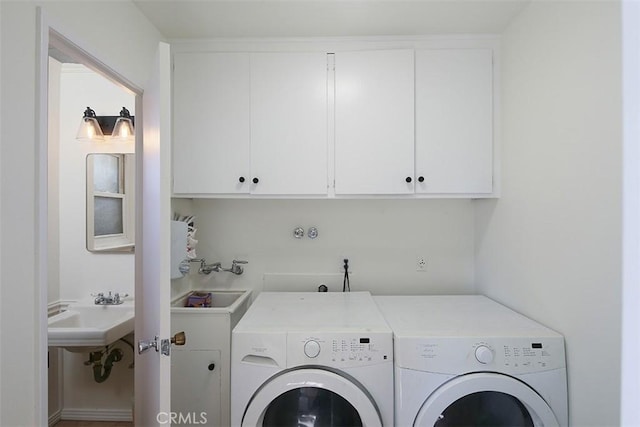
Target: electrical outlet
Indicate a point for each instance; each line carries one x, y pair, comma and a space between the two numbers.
421, 263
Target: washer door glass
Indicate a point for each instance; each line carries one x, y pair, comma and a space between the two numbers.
311, 407
311, 397
486, 408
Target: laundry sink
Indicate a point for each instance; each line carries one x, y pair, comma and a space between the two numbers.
227, 301
84, 327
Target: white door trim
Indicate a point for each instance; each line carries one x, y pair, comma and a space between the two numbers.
630, 377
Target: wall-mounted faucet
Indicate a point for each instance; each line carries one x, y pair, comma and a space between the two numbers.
216, 266
236, 268
102, 299
208, 268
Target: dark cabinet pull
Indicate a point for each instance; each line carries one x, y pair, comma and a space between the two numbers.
421, 179
241, 179
256, 180
211, 366
408, 179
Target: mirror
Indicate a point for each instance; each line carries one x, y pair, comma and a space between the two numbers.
110, 202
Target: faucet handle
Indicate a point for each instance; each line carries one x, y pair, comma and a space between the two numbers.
235, 267
117, 297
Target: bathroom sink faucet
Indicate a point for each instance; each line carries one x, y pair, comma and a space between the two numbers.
115, 299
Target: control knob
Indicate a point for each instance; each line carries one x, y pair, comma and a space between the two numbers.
484, 354
312, 348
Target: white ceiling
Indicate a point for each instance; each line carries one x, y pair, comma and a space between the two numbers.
202, 19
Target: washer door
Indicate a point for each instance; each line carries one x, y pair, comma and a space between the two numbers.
311, 397
485, 399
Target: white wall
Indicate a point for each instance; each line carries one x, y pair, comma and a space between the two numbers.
381, 238
120, 37
83, 398
83, 272
551, 246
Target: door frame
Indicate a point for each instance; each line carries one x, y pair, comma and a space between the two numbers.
50, 32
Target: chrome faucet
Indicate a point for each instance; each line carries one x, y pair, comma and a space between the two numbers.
115, 299
208, 268
236, 268
204, 267
216, 266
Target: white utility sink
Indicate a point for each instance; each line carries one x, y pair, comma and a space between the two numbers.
84, 327
225, 301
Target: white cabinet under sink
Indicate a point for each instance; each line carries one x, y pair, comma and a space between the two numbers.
201, 369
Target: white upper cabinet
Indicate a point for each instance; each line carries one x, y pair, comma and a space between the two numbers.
454, 121
374, 122
416, 121
211, 123
289, 123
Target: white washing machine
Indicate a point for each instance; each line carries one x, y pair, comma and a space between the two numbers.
312, 359
469, 361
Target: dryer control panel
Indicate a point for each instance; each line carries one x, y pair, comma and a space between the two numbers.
458, 354
340, 351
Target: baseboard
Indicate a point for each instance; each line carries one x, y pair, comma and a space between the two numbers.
97, 414
55, 417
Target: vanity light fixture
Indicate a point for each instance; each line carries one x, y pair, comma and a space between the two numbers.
94, 128
123, 129
89, 127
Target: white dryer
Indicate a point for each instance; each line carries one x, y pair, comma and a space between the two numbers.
469, 361
312, 359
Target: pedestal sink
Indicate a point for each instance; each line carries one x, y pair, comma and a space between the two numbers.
85, 327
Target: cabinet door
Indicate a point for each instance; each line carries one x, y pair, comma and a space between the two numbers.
289, 123
195, 386
454, 121
211, 123
374, 122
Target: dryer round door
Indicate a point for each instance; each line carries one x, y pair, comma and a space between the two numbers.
311, 397
481, 399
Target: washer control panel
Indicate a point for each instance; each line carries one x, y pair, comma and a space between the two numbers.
312, 348
484, 354
342, 350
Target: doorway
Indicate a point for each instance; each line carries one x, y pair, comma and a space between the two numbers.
76, 270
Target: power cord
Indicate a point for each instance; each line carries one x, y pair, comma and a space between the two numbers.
346, 287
